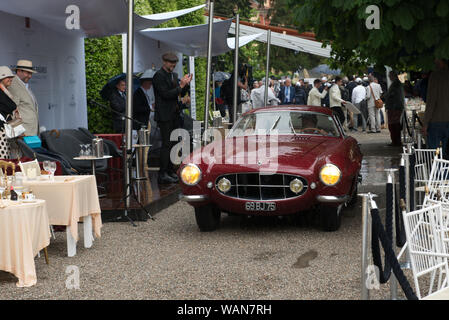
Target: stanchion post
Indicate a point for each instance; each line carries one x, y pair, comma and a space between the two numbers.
406, 157
366, 236
393, 281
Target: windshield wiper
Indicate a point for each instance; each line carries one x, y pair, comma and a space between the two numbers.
275, 123
291, 126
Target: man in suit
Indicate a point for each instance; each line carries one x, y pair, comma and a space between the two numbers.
117, 101
167, 91
143, 100
24, 98
287, 93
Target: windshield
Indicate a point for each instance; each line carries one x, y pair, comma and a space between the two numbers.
286, 122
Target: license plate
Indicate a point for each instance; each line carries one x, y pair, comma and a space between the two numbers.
260, 206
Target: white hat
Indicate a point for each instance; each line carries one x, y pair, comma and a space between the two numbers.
148, 74
5, 72
323, 79
365, 78
26, 65
358, 80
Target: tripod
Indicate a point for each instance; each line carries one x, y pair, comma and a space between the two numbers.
128, 165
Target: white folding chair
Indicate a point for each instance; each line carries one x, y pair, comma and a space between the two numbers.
437, 188
428, 258
423, 166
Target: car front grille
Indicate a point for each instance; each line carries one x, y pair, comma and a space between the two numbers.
258, 186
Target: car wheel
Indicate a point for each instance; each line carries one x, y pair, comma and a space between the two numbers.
207, 218
330, 217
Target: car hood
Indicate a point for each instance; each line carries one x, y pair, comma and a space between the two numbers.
265, 153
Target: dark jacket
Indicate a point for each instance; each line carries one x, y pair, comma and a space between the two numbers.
166, 92
300, 96
394, 98
282, 95
141, 108
7, 107
117, 103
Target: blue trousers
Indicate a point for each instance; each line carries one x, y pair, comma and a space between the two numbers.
438, 132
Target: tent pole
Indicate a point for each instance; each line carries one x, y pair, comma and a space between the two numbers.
129, 96
236, 67
267, 70
209, 66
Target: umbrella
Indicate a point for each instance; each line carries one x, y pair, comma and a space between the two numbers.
221, 76
324, 69
110, 85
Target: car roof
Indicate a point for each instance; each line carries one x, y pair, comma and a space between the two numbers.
326, 111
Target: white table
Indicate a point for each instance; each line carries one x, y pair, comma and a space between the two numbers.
70, 199
24, 231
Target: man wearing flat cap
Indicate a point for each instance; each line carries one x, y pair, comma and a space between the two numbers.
166, 92
24, 98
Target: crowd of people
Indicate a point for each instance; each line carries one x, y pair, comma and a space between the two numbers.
377, 104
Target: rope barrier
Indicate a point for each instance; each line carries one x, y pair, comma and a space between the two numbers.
401, 238
384, 273
390, 256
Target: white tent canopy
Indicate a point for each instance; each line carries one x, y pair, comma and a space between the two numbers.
284, 40
58, 53
98, 18
192, 40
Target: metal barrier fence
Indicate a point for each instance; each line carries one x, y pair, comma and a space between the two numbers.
398, 195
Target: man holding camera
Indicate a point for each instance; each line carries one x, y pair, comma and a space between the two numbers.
166, 92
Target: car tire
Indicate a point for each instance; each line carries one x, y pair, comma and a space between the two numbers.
207, 218
330, 218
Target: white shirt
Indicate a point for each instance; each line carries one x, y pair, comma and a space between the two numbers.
358, 94
377, 90
315, 97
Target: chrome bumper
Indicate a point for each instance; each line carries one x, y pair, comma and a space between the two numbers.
193, 198
332, 199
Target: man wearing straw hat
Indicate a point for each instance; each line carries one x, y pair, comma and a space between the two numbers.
24, 97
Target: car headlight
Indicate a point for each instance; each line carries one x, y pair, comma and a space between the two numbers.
330, 174
191, 174
224, 185
296, 185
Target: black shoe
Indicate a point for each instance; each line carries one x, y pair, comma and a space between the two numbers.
174, 176
164, 178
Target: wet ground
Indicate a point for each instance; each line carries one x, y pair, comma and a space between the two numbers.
259, 258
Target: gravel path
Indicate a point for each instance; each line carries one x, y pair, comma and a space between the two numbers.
170, 259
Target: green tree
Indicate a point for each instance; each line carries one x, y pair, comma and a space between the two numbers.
103, 61
225, 8
411, 34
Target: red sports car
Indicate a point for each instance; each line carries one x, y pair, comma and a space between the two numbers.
274, 161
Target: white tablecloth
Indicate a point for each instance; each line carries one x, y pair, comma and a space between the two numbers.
68, 199
24, 231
